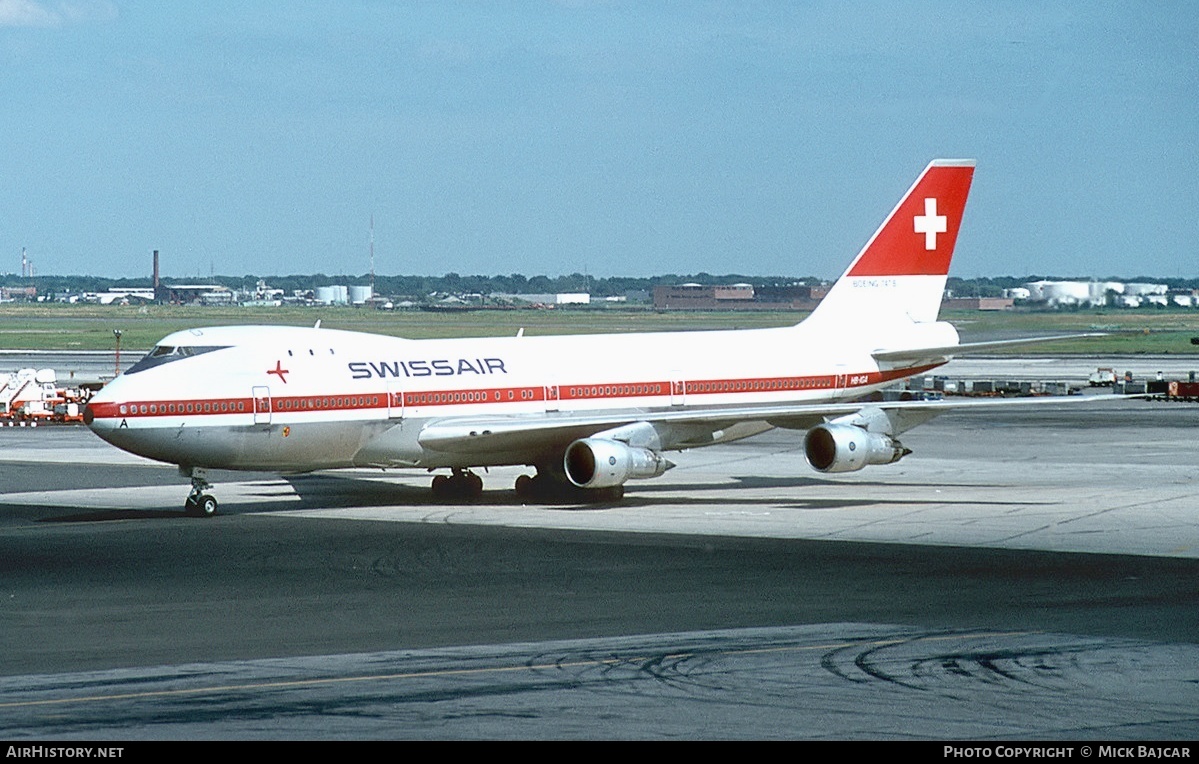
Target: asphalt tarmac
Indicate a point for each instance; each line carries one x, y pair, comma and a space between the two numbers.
1024, 575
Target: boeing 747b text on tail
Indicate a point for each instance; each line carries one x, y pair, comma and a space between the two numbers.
587, 412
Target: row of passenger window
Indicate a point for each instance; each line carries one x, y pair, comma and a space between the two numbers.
469, 396
772, 384
227, 407
466, 396
700, 387
605, 390
291, 404
210, 407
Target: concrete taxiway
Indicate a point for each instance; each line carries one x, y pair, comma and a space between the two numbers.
1025, 574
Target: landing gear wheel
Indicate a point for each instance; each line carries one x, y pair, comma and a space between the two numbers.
547, 488
603, 495
199, 504
461, 484
203, 506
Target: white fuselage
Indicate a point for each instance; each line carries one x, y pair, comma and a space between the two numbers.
282, 398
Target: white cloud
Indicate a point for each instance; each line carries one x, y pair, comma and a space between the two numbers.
39, 13
25, 13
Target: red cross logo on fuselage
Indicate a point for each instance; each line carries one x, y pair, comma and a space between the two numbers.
279, 370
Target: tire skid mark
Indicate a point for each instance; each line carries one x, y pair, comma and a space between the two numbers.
910, 662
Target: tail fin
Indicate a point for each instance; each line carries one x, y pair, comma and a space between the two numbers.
901, 271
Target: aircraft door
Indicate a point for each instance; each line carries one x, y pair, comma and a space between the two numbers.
395, 401
678, 389
261, 397
551, 397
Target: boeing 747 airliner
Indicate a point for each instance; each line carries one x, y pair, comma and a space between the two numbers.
588, 413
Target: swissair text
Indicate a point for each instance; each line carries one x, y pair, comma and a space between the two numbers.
437, 367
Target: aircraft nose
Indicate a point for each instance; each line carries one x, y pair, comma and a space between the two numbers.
98, 416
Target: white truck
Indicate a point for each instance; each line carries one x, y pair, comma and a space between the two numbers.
1102, 377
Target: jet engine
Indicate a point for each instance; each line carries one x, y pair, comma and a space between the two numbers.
603, 463
837, 447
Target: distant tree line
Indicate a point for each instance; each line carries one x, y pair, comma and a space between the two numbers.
454, 283
410, 286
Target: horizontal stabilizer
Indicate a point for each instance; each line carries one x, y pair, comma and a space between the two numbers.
948, 351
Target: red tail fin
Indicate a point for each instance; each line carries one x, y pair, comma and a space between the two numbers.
918, 237
901, 271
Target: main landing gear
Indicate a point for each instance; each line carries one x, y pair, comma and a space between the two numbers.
463, 485
199, 503
545, 487
459, 484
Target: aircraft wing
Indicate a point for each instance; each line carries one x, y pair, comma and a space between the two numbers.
486, 435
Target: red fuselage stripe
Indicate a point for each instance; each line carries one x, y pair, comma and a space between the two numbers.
605, 391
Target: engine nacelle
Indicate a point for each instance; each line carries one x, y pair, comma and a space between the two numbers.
603, 463
848, 448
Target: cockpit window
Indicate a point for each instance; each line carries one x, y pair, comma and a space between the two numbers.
161, 354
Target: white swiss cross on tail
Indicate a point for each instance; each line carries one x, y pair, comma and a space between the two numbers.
930, 224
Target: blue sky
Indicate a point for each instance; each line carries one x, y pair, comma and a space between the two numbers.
605, 137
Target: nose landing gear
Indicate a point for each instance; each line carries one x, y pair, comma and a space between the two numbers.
199, 503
